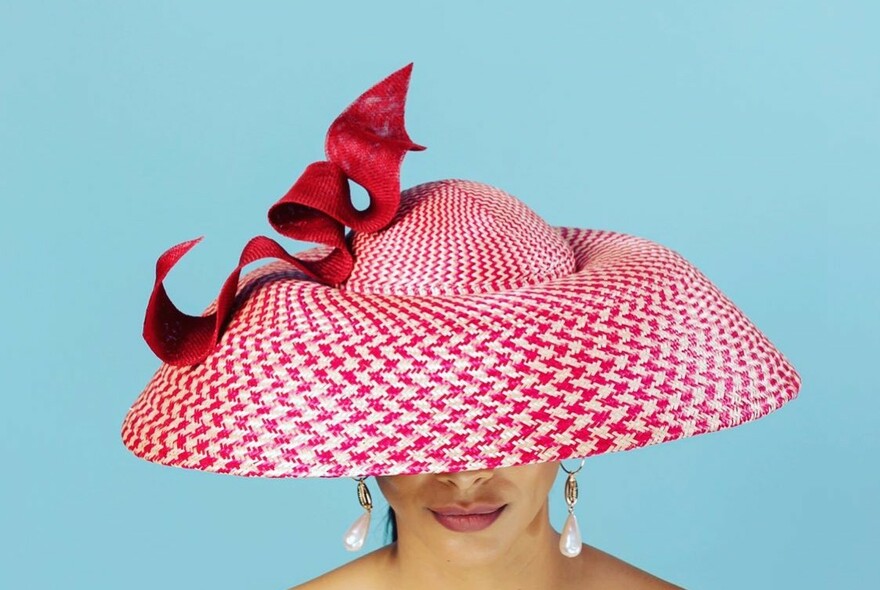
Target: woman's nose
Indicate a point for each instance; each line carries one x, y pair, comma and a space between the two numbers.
466, 479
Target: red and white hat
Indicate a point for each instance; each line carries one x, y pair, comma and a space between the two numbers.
451, 329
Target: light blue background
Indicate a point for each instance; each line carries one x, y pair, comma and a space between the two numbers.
744, 135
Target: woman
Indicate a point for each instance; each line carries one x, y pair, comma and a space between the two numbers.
456, 347
513, 546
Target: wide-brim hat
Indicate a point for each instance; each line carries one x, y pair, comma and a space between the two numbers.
450, 329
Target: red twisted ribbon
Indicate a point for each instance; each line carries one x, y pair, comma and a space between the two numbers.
366, 144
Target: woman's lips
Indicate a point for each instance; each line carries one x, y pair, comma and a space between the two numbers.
467, 521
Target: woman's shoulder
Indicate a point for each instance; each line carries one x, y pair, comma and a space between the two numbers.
364, 570
603, 570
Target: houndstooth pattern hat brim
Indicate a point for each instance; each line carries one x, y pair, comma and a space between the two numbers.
469, 335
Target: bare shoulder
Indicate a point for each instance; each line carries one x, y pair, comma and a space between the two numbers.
603, 570
363, 570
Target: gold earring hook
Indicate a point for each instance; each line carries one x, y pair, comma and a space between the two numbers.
581, 466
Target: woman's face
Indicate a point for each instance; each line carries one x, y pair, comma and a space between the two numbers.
471, 516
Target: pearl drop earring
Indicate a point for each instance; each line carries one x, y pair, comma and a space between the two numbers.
357, 533
570, 540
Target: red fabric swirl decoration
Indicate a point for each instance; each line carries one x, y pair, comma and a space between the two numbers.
366, 144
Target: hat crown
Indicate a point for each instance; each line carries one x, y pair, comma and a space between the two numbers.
454, 237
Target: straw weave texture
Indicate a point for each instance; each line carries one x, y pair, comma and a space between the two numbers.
469, 335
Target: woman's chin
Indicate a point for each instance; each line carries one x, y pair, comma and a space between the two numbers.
469, 549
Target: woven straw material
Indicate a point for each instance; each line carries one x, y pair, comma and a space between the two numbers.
469, 335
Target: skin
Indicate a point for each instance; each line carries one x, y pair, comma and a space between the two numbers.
519, 550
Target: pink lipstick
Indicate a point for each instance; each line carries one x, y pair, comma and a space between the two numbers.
467, 520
